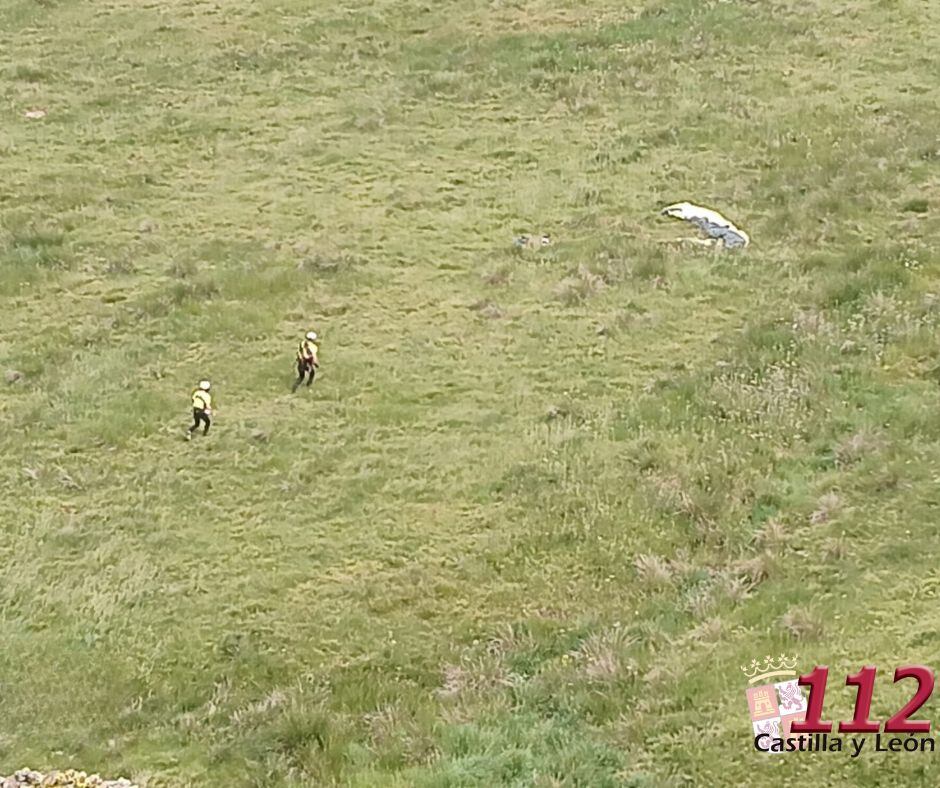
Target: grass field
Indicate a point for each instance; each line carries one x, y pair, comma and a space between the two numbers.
541, 506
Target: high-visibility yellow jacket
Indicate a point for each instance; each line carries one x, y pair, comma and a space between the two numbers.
307, 351
202, 400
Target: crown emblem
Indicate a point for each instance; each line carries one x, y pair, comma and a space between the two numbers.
782, 665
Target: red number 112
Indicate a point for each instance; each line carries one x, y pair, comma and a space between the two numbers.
864, 681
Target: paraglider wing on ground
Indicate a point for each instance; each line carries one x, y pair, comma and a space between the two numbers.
710, 222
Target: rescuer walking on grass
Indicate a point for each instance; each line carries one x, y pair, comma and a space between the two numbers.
202, 409
307, 361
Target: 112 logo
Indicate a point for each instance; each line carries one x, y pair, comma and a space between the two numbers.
864, 681
781, 713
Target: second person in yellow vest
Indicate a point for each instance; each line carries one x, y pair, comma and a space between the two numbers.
307, 361
202, 409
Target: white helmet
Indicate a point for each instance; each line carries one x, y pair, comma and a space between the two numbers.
205, 385
311, 335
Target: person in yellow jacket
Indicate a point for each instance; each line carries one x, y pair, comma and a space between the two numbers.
202, 409
307, 361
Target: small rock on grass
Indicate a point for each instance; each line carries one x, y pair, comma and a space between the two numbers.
12, 376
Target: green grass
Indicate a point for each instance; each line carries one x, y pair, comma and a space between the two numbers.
540, 506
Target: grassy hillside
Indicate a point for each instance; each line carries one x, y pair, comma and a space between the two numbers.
541, 506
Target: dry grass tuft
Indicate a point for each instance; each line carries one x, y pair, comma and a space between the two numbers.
474, 674
754, 570
801, 624
653, 571
737, 589
488, 309
835, 549
602, 656
498, 277
672, 496
575, 289
826, 508
856, 446
772, 536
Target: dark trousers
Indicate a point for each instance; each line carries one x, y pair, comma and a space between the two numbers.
200, 417
303, 367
